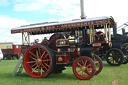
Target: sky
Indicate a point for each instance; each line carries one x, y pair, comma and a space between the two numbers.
15, 13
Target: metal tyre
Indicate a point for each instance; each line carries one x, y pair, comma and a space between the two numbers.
84, 68
98, 62
38, 61
114, 57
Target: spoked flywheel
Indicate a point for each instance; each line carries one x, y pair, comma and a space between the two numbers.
98, 62
114, 57
38, 61
84, 68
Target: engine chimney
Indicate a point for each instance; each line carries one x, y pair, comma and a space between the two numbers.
123, 31
115, 29
83, 16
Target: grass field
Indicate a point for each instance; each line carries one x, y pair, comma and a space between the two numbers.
108, 76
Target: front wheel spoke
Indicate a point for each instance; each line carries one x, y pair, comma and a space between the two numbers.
88, 65
79, 71
83, 62
34, 69
88, 71
38, 70
41, 70
31, 62
82, 73
79, 64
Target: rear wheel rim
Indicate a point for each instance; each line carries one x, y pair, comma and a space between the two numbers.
84, 68
98, 63
37, 61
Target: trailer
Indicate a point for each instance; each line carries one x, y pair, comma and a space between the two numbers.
10, 50
69, 44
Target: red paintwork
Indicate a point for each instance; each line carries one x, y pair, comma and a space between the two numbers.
13, 51
42, 65
53, 39
86, 63
61, 26
66, 59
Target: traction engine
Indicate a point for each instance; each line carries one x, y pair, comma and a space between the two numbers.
70, 44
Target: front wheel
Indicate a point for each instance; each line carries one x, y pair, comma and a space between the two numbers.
114, 57
84, 68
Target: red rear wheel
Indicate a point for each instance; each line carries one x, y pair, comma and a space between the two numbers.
98, 62
84, 68
38, 61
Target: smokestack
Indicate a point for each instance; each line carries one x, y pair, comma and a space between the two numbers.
123, 31
83, 16
115, 29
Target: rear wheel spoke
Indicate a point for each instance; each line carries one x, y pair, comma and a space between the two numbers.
32, 54
43, 54
34, 69
31, 62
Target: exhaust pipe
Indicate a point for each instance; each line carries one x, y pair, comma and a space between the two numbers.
83, 15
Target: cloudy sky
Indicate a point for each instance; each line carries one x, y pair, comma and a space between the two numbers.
14, 13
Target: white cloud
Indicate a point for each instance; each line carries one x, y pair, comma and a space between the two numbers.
6, 25
58, 7
7, 22
4, 2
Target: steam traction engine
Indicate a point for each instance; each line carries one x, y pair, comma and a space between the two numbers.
70, 44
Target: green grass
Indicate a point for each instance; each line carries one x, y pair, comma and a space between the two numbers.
108, 76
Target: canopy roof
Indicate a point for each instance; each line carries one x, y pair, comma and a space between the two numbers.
52, 27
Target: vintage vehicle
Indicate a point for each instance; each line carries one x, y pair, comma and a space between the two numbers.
119, 42
1, 55
71, 43
10, 50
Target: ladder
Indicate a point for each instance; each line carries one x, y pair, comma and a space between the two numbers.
19, 67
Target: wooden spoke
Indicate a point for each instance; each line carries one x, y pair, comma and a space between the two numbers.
34, 69
33, 65
41, 70
31, 62
82, 73
85, 62
79, 71
32, 54
37, 53
78, 63
88, 65
46, 60
43, 54
44, 67
33, 58
38, 70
